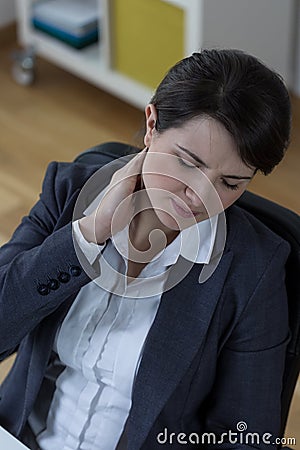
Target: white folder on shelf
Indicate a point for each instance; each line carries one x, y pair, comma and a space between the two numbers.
9, 442
69, 15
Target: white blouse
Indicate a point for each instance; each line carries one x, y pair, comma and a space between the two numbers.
101, 343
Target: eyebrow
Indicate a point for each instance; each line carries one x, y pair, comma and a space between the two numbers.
196, 158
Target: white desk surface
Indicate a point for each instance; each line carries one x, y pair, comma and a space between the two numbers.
9, 442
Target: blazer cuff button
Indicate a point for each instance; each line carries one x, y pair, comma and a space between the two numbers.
63, 277
53, 284
75, 271
43, 289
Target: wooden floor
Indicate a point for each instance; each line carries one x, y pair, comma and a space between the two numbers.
61, 115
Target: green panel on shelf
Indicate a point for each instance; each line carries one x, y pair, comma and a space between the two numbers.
147, 38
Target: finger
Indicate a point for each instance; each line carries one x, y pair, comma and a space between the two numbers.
138, 158
132, 169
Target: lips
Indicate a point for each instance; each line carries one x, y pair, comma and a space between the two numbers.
185, 213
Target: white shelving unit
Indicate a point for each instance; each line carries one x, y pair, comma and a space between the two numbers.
94, 62
261, 27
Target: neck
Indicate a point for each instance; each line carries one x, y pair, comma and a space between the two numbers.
146, 224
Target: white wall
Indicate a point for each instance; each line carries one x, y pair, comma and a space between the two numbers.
296, 61
264, 28
7, 12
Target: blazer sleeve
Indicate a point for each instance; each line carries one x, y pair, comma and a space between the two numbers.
246, 397
39, 268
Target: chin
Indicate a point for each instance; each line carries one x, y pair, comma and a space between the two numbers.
177, 225
167, 220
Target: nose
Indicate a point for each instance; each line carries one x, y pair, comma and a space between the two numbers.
204, 194
193, 197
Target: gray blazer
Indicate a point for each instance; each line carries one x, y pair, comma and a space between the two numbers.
215, 353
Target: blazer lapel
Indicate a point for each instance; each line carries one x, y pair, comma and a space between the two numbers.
176, 336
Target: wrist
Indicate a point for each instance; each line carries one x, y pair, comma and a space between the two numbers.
88, 230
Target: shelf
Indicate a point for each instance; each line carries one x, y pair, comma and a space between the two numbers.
140, 41
89, 64
62, 53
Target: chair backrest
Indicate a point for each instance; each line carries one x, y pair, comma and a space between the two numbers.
279, 219
286, 224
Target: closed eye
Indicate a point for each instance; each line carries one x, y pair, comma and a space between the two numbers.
185, 163
233, 187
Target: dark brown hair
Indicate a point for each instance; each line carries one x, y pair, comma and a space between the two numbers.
246, 97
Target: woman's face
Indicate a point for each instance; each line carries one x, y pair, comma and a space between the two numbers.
192, 172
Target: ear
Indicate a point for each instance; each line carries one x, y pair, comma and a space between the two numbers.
151, 118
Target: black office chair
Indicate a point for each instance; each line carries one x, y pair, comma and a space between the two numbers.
283, 222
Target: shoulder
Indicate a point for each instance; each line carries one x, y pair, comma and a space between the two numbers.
252, 240
64, 180
69, 174
73, 175
255, 304
72, 186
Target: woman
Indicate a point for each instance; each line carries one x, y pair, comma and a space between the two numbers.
144, 320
